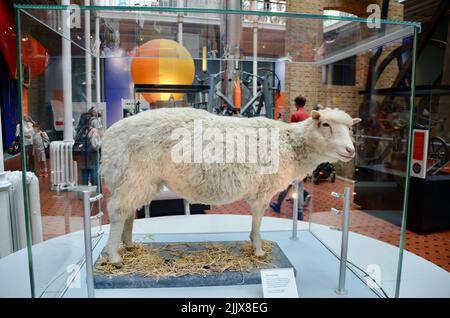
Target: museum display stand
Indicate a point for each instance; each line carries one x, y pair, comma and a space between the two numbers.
260, 60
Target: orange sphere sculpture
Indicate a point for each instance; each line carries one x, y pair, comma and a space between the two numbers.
162, 62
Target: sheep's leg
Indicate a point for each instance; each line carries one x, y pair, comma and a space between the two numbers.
115, 237
143, 200
255, 234
258, 209
127, 235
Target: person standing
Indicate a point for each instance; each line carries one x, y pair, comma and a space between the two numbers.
40, 142
28, 133
298, 116
95, 144
95, 120
85, 123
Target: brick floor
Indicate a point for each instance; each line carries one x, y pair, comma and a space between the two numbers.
62, 213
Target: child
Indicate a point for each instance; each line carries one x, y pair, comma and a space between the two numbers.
40, 142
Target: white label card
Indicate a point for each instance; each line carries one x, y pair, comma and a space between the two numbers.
279, 283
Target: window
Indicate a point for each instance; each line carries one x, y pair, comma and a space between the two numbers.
340, 73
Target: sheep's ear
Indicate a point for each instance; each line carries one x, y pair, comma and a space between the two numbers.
356, 120
315, 115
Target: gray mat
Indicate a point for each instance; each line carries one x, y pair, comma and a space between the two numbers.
279, 260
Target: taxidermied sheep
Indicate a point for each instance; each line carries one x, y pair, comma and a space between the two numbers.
191, 152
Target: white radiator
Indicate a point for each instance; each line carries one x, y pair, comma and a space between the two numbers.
63, 168
16, 216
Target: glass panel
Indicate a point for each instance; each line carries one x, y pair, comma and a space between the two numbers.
377, 175
248, 64
62, 168
426, 234
381, 173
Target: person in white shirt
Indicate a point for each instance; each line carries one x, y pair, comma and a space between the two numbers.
28, 133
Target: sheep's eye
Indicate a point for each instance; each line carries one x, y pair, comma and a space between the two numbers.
326, 125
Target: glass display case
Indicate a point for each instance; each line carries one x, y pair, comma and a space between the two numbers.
104, 63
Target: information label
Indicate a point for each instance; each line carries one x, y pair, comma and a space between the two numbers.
419, 160
279, 283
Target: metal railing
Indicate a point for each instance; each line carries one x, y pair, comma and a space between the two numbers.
87, 218
297, 200
346, 196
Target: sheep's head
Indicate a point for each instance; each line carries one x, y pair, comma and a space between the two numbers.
335, 128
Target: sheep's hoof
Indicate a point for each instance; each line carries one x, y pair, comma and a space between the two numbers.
259, 253
117, 264
115, 260
129, 247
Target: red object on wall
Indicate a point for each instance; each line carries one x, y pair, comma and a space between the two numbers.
8, 38
34, 54
237, 94
280, 100
418, 148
